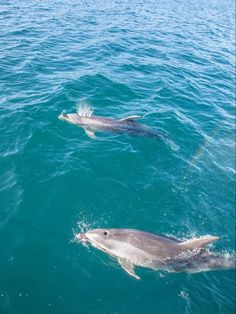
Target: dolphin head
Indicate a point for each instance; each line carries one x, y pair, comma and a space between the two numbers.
107, 240
72, 118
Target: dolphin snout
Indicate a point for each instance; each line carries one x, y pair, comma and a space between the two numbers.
80, 236
68, 117
62, 116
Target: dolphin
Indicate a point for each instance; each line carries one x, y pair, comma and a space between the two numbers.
92, 124
138, 248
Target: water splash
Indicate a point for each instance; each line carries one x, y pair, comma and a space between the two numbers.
84, 110
82, 227
183, 294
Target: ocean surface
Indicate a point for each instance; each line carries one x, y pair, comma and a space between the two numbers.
172, 62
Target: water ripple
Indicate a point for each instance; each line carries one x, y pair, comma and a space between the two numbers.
172, 62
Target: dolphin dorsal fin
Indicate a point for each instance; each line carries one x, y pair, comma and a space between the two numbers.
130, 118
197, 243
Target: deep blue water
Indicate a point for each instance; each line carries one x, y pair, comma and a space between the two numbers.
172, 62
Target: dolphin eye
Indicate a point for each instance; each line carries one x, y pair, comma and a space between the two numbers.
105, 233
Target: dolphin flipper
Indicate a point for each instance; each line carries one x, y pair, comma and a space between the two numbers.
130, 118
90, 133
128, 267
197, 243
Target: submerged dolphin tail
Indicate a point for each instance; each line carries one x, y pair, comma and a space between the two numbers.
216, 261
228, 262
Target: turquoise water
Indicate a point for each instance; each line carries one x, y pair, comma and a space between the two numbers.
172, 62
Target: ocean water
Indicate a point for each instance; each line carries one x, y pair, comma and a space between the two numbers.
172, 62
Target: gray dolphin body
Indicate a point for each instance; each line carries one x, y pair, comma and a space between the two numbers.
137, 248
92, 124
